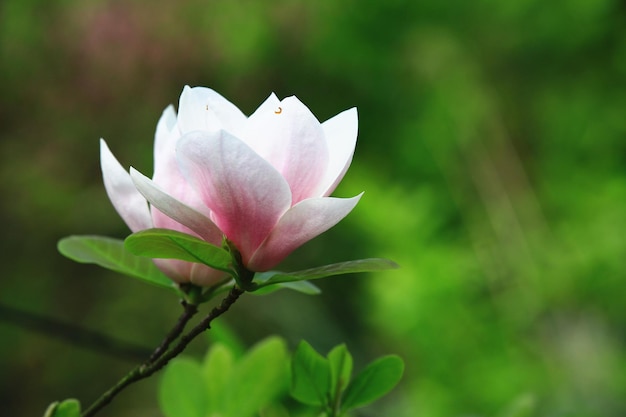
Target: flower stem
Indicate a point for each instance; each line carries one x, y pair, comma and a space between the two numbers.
162, 355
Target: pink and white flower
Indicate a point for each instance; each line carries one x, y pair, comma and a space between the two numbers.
262, 181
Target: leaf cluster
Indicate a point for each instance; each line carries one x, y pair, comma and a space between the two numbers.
224, 384
133, 257
327, 384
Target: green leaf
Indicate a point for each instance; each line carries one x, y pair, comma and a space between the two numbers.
376, 380
260, 377
170, 244
349, 267
274, 410
304, 287
524, 405
340, 369
310, 376
217, 369
110, 253
66, 408
183, 392
50, 410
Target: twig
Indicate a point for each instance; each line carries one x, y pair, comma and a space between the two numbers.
190, 311
164, 356
73, 334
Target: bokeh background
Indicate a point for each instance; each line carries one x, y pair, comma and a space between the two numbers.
492, 153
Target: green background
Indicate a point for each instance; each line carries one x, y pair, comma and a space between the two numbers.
492, 153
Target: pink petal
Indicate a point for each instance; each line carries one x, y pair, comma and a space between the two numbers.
301, 223
204, 276
161, 220
201, 108
128, 202
341, 133
245, 193
175, 209
289, 136
183, 272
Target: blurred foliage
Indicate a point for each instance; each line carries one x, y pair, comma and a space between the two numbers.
261, 382
491, 149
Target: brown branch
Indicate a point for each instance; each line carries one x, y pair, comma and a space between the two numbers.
162, 355
190, 311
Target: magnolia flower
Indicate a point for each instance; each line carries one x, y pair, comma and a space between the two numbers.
261, 181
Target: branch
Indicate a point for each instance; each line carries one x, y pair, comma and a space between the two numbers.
162, 355
190, 311
73, 334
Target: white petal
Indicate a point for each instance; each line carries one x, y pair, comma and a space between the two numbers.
341, 133
165, 138
167, 174
129, 203
290, 138
255, 139
201, 108
299, 224
176, 209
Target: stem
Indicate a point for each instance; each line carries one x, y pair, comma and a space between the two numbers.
190, 311
336, 404
205, 324
161, 354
